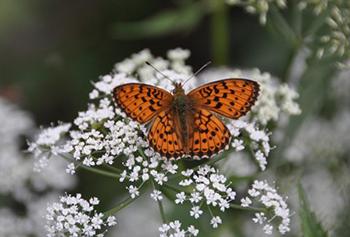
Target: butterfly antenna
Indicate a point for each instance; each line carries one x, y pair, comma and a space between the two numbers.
196, 73
165, 76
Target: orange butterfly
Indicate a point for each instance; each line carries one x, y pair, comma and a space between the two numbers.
187, 124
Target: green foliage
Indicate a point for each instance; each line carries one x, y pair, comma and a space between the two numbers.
166, 22
309, 224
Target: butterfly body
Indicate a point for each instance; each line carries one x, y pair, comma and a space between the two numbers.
187, 124
183, 112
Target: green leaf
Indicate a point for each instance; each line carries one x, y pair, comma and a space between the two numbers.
164, 23
309, 223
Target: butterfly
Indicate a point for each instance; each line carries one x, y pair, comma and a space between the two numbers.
187, 124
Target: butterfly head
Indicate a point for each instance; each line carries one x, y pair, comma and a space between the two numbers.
178, 89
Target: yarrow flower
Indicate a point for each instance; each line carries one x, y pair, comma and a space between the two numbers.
209, 188
278, 212
173, 229
75, 216
46, 144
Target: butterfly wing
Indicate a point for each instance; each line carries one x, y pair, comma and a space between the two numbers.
163, 136
231, 98
210, 135
140, 101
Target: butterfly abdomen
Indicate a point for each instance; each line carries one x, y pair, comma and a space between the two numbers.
182, 108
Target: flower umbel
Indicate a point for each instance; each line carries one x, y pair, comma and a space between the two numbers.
103, 140
75, 216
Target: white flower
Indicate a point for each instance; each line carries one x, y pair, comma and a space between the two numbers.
237, 144
134, 191
260, 218
192, 230
173, 229
245, 202
196, 212
76, 217
111, 221
215, 221
178, 54
70, 169
268, 229
180, 198
261, 192
156, 195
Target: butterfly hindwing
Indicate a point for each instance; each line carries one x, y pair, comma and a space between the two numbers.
210, 135
163, 137
231, 98
140, 101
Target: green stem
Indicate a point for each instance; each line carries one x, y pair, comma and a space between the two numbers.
160, 205
255, 209
101, 172
317, 24
219, 32
120, 206
283, 27
110, 167
173, 188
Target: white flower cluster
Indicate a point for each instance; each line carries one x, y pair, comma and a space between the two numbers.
75, 216
260, 7
12, 225
46, 144
263, 193
258, 140
147, 165
332, 139
173, 229
18, 181
274, 98
209, 188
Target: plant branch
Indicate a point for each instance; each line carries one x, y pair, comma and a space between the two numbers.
255, 209
120, 206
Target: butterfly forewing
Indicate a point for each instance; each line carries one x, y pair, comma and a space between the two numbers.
140, 101
231, 98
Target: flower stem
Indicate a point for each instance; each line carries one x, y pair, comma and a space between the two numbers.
173, 188
120, 206
255, 209
219, 32
282, 26
101, 172
110, 167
